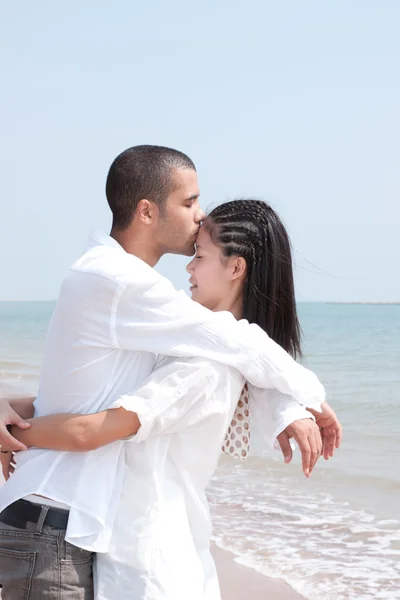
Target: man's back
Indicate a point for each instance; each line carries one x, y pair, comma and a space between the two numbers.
83, 371
83, 367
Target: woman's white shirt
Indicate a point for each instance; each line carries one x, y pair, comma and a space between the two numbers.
160, 545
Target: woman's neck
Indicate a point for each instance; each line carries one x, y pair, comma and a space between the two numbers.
233, 305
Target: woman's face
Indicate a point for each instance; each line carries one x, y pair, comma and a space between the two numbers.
212, 276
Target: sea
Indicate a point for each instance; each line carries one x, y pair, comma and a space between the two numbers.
335, 536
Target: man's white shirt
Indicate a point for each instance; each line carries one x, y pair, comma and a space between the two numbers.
113, 316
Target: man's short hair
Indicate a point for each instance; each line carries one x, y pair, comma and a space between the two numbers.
141, 172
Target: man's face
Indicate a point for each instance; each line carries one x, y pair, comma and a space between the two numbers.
180, 221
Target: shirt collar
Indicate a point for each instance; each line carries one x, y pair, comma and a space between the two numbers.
98, 238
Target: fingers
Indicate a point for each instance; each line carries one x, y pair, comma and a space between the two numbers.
6, 465
9, 442
15, 419
329, 436
310, 445
303, 443
284, 442
315, 447
304, 446
332, 436
325, 444
308, 437
338, 435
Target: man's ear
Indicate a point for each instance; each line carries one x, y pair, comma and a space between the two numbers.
239, 267
146, 211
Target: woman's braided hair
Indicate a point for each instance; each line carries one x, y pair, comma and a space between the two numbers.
253, 230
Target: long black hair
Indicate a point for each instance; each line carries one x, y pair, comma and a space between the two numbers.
253, 230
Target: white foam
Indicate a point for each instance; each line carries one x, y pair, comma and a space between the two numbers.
323, 547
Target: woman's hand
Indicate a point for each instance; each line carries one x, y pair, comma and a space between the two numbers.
307, 435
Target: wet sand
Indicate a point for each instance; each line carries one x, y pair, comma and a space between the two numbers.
238, 582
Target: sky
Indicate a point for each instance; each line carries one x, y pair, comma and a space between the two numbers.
296, 103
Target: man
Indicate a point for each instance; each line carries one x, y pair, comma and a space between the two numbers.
113, 315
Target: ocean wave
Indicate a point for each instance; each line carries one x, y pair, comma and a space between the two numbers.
324, 548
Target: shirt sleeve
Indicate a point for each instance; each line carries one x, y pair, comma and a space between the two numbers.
270, 413
152, 316
182, 394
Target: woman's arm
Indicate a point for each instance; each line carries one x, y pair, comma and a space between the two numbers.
176, 395
78, 433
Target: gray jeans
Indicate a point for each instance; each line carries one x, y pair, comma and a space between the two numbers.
37, 563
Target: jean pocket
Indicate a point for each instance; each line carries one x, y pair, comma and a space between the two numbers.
77, 572
75, 555
16, 573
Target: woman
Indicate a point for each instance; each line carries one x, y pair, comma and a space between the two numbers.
160, 545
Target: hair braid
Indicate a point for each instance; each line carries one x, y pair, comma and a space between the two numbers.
253, 230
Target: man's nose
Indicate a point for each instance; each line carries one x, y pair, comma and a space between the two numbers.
201, 215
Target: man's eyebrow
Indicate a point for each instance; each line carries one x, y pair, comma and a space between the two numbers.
192, 197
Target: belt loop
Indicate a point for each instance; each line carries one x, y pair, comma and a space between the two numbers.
41, 519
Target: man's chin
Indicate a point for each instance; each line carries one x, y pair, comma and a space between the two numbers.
189, 250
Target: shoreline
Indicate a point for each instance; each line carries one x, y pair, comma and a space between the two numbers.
238, 582
369, 303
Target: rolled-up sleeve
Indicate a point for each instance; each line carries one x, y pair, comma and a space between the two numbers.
270, 413
181, 394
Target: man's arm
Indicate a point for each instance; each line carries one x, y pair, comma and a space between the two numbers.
148, 314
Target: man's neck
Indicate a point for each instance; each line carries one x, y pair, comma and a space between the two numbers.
136, 246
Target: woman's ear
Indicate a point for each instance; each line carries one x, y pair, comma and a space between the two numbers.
238, 267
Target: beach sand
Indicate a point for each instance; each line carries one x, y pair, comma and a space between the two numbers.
241, 583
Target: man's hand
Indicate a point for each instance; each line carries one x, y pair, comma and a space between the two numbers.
6, 460
307, 435
331, 429
8, 416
